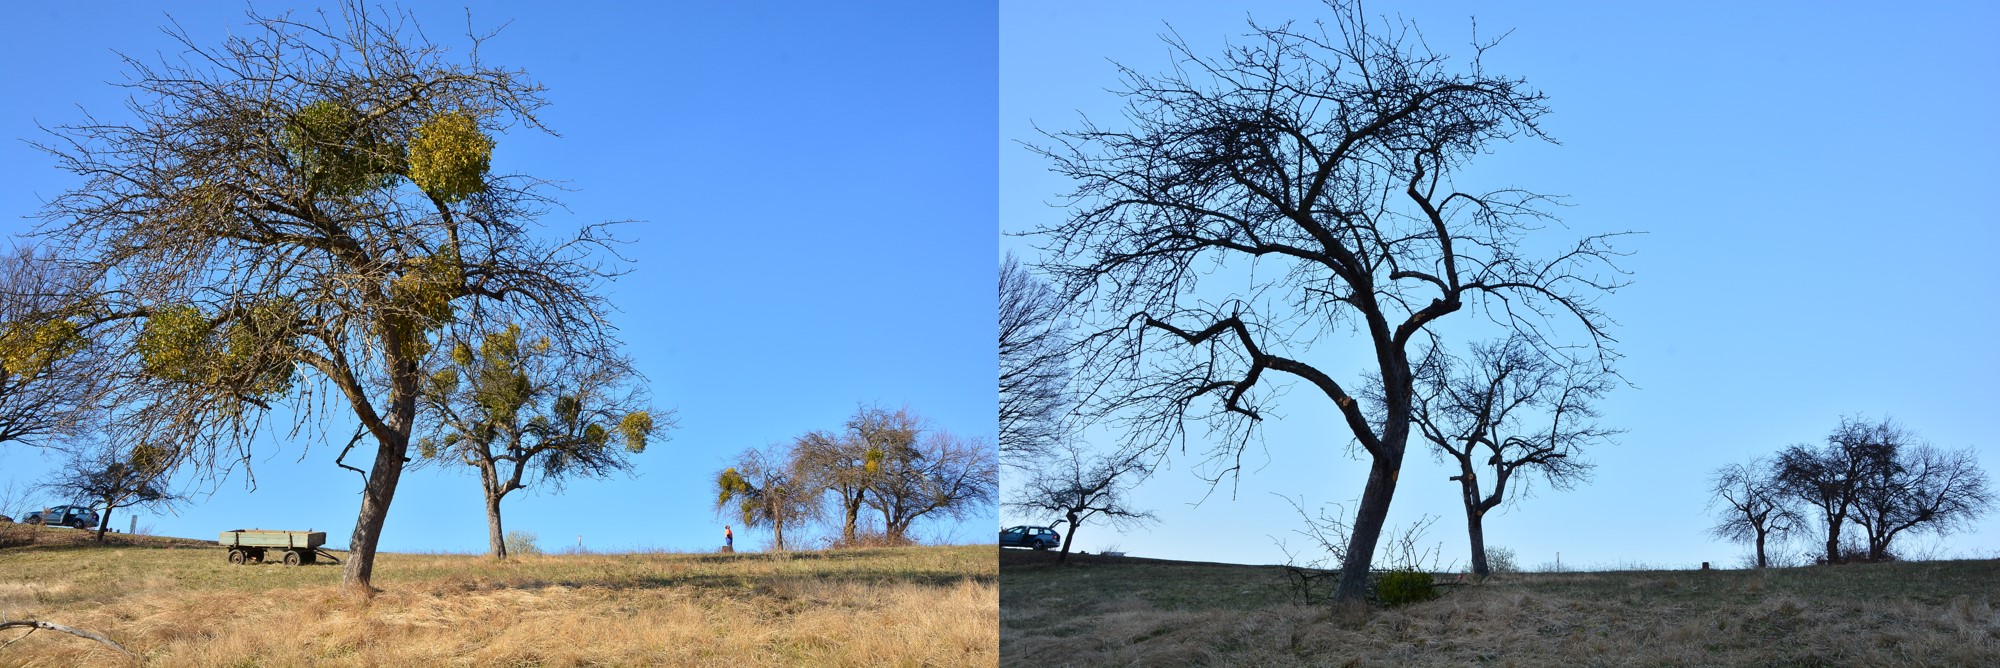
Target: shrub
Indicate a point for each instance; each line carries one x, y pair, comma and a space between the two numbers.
1402, 586
1501, 560
521, 543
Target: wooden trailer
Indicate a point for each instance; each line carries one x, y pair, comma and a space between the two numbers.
250, 546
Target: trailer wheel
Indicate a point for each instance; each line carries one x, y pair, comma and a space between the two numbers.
238, 557
308, 557
292, 558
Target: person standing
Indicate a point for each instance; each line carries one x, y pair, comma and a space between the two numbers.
728, 538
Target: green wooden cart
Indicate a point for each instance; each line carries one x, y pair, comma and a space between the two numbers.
249, 546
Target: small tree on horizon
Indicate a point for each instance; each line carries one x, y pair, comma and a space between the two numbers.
765, 487
1076, 484
1754, 507
112, 478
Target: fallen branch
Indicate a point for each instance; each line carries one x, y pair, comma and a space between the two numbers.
52, 626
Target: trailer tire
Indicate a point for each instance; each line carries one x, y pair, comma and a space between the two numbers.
238, 557
292, 558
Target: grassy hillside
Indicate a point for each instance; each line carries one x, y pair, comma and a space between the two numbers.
1113, 611
185, 606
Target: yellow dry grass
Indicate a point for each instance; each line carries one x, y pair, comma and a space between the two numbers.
1167, 614
914, 606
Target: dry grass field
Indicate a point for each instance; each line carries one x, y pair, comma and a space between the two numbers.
1113, 611
177, 603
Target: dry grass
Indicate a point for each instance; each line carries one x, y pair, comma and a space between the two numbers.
916, 606
1135, 612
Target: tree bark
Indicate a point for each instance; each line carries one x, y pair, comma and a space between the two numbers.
104, 522
356, 575
495, 537
1368, 522
778, 531
52, 626
1068, 537
1475, 520
1761, 561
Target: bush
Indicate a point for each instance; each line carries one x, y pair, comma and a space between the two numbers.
1501, 560
521, 543
1402, 586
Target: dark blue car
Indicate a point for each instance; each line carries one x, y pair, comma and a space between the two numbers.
1040, 538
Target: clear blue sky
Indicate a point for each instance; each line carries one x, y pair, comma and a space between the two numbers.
1812, 181
818, 189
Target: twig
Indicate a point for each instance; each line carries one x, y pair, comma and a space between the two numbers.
52, 626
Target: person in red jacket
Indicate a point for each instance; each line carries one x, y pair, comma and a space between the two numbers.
728, 538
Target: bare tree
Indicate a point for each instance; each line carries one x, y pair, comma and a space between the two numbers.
1077, 484
1829, 479
768, 487
1922, 489
50, 369
299, 218
114, 477
512, 405
1508, 411
1756, 510
1302, 186
848, 463
937, 475
1033, 370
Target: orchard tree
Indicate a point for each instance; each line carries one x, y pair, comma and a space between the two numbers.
1923, 489
512, 406
767, 487
299, 218
848, 463
1304, 188
112, 477
1829, 479
939, 474
1754, 507
1076, 484
1505, 415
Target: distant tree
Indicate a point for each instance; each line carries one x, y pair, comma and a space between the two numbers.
112, 477
848, 462
512, 405
1301, 188
767, 487
1076, 484
312, 196
1033, 371
50, 370
1505, 412
1829, 479
937, 475
1754, 507
1922, 489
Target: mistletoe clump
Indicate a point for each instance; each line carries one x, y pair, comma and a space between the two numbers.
450, 156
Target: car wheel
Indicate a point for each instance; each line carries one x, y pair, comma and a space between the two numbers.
76, 524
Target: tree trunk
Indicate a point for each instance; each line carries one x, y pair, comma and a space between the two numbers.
778, 529
104, 522
1475, 520
381, 489
1068, 537
1368, 521
1832, 541
1761, 561
496, 539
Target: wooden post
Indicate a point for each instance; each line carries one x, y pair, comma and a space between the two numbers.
1704, 565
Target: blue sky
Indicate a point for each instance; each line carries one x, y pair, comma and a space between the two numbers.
1809, 178
817, 189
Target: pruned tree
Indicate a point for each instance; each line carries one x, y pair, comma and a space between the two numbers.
938, 474
1507, 415
298, 218
767, 487
1754, 507
1077, 484
520, 412
50, 370
113, 477
1302, 186
1829, 479
1034, 373
1922, 489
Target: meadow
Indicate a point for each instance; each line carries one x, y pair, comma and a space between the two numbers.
177, 602
1127, 611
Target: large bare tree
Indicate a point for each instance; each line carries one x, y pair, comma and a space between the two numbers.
1304, 188
1034, 373
1506, 415
1923, 489
297, 218
938, 474
1829, 478
1754, 507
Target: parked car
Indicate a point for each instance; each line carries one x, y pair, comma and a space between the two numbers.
79, 517
1040, 538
